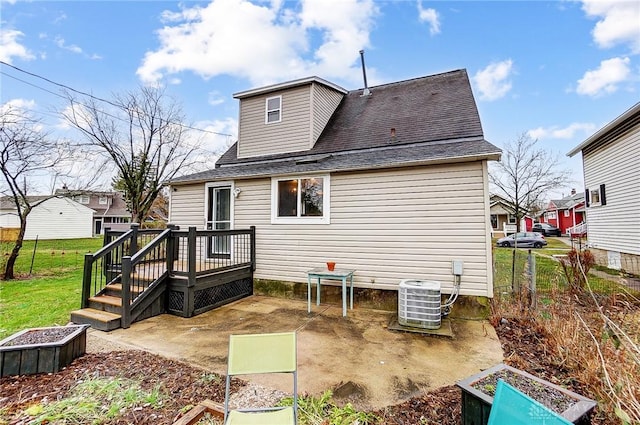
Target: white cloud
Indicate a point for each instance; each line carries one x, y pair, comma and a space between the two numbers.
74, 48
219, 135
568, 132
494, 80
70, 47
430, 16
216, 138
216, 98
606, 78
619, 22
22, 104
262, 42
11, 48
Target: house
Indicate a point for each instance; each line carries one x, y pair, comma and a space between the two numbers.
110, 208
503, 217
612, 178
565, 213
390, 181
52, 218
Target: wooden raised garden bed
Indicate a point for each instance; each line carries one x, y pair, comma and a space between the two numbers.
42, 350
478, 390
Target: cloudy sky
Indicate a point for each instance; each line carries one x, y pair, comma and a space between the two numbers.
557, 70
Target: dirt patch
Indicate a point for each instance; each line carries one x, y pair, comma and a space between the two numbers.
406, 388
350, 392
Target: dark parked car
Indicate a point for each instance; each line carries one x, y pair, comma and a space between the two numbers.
546, 229
525, 240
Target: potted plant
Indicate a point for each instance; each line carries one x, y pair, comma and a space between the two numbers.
478, 391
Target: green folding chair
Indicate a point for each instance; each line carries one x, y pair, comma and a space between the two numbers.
512, 407
261, 354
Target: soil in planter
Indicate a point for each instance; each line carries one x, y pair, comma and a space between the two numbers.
41, 336
549, 397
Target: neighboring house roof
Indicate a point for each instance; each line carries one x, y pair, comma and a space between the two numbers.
115, 208
435, 120
499, 200
609, 132
567, 202
7, 202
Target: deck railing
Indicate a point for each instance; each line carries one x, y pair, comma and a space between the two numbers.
105, 266
578, 230
141, 259
143, 271
199, 252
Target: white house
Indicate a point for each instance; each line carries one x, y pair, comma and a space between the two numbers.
611, 164
390, 181
54, 218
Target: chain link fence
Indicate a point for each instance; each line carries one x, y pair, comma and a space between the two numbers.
526, 273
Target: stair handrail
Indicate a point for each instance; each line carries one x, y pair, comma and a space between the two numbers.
578, 229
128, 265
90, 259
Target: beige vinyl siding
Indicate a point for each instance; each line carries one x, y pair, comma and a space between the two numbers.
187, 206
616, 225
325, 102
291, 134
387, 225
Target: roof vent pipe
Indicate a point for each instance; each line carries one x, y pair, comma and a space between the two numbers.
366, 91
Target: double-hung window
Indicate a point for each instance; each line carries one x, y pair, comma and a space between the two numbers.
273, 112
595, 197
297, 200
81, 199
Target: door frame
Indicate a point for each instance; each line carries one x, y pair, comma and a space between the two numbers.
210, 224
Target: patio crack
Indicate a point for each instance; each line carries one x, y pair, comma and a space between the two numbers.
312, 316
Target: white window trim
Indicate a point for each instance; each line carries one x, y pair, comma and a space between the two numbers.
102, 200
567, 213
591, 201
206, 200
326, 196
82, 199
267, 110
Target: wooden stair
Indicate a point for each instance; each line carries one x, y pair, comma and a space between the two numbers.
104, 311
97, 319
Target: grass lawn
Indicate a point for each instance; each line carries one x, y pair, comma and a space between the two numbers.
549, 272
53, 289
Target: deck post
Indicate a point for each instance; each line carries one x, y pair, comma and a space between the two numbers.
171, 248
126, 292
86, 280
134, 239
191, 282
253, 248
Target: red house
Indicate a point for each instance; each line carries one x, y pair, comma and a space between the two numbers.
565, 213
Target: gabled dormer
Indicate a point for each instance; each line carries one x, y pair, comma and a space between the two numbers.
287, 117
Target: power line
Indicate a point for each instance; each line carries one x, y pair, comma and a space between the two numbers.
88, 95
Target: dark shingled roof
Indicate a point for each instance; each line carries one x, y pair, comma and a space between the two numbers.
435, 120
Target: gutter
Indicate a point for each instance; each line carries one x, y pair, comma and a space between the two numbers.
629, 113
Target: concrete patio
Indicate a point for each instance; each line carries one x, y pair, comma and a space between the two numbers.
358, 356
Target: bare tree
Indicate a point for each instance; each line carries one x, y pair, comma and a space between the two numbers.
525, 173
26, 153
143, 135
